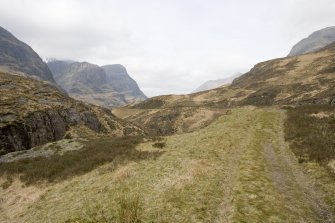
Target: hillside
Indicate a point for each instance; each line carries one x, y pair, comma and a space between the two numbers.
34, 113
229, 171
108, 86
305, 79
314, 42
17, 56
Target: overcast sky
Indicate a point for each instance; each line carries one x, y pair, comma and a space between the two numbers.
167, 46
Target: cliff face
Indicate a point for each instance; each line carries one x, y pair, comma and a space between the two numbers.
17, 56
108, 86
33, 113
119, 79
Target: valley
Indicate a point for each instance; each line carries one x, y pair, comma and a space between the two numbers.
238, 169
81, 142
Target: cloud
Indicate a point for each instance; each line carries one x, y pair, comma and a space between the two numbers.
167, 46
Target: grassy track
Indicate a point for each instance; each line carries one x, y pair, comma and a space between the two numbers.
238, 169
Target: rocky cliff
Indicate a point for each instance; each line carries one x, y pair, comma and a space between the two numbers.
108, 86
119, 79
17, 56
34, 112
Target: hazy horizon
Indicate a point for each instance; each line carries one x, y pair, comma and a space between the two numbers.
166, 46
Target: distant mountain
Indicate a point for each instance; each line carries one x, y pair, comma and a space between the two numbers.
211, 84
108, 86
118, 77
314, 42
17, 56
34, 112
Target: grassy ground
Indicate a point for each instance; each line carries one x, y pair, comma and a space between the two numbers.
59, 167
238, 169
311, 132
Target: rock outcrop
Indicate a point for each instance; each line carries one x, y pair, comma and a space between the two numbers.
34, 112
17, 56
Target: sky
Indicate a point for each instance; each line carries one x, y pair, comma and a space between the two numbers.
167, 46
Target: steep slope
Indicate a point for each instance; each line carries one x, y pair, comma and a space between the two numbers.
33, 113
17, 56
305, 79
118, 77
314, 42
109, 86
211, 84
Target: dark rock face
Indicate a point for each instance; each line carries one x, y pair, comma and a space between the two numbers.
42, 127
18, 56
33, 113
120, 80
314, 42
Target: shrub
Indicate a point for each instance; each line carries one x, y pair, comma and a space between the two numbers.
59, 167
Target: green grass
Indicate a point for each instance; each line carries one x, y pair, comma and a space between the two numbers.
60, 167
312, 138
222, 173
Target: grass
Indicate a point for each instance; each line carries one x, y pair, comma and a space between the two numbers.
184, 184
311, 137
159, 145
60, 167
222, 173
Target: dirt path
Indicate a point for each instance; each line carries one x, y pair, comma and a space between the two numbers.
272, 187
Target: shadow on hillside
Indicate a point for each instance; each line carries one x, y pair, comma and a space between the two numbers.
61, 167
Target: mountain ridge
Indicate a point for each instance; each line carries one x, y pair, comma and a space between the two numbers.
97, 85
17, 56
315, 41
211, 84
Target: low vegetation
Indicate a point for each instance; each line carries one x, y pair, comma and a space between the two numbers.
310, 130
59, 167
229, 171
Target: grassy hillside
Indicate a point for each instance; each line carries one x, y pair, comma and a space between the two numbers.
305, 79
229, 171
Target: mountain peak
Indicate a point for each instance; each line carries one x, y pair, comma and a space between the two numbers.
316, 41
17, 56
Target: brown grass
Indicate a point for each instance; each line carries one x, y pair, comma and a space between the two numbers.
60, 167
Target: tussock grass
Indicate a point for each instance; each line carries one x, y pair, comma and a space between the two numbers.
60, 167
159, 145
311, 135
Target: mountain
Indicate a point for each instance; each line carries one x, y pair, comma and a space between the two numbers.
33, 112
17, 56
119, 79
108, 86
304, 79
211, 84
314, 42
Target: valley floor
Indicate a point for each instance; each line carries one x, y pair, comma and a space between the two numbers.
238, 169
